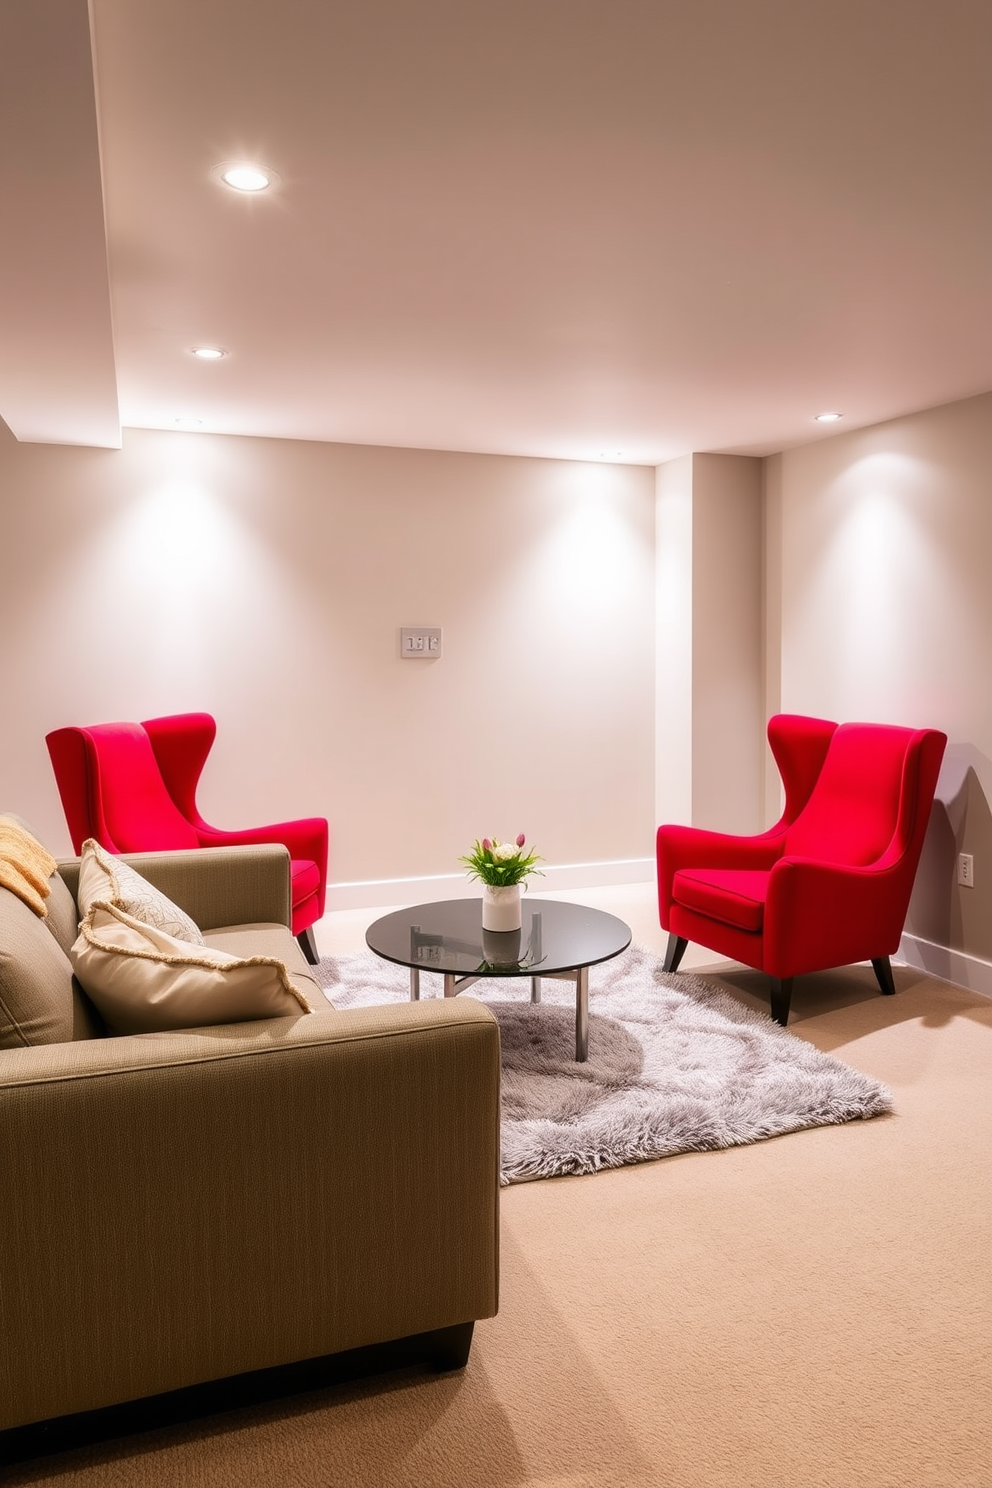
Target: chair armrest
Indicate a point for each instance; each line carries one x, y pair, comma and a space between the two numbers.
831, 914
306, 838
185, 1206
694, 847
215, 885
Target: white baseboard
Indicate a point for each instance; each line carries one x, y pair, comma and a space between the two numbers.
372, 893
952, 966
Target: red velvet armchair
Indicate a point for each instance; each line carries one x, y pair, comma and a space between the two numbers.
830, 882
132, 786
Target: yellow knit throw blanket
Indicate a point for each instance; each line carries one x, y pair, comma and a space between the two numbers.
25, 866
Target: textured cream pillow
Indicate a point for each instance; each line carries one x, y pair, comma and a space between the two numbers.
104, 879
144, 981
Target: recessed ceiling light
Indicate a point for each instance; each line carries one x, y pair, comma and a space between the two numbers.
208, 353
827, 418
188, 423
241, 175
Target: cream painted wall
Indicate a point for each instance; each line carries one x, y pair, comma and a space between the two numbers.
266, 581
673, 644
884, 540
771, 623
710, 665
728, 719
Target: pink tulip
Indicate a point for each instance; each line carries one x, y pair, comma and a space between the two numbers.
521, 840
486, 845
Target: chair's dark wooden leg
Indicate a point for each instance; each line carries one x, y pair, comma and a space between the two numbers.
882, 967
308, 945
675, 951
781, 988
449, 1347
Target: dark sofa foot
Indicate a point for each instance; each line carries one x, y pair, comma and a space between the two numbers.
442, 1349
449, 1347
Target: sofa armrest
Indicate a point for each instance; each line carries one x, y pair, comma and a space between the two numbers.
185, 1206
215, 885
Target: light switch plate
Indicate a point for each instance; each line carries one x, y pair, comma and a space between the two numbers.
420, 642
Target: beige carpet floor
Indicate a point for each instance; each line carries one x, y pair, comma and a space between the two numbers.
811, 1312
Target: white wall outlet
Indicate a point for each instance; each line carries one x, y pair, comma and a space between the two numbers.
420, 642
966, 870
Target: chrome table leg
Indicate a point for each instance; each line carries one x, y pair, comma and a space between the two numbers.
582, 1015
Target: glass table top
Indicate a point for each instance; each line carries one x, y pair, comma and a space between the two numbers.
448, 937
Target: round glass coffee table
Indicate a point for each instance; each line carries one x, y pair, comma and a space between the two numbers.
555, 940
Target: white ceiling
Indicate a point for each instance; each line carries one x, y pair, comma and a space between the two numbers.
545, 227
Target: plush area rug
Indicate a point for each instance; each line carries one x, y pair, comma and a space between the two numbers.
674, 1066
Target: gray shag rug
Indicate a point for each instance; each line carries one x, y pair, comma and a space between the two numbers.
674, 1065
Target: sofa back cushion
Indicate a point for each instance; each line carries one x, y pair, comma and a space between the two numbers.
39, 1003
63, 916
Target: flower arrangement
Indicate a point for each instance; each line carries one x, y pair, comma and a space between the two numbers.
500, 864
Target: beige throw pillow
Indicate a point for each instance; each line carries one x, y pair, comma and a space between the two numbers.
145, 981
104, 879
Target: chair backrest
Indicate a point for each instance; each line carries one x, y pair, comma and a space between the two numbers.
872, 796
799, 745
112, 789
181, 743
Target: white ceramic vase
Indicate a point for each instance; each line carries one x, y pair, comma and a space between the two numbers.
501, 907
501, 947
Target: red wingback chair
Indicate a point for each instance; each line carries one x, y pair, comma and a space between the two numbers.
830, 882
132, 786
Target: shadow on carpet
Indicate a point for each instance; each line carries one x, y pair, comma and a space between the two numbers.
674, 1066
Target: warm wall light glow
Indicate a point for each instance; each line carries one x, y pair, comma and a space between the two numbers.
592, 556
208, 353
873, 619
827, 418
245, 177
188, 570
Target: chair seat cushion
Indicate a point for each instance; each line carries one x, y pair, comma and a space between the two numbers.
734, 895
306, 879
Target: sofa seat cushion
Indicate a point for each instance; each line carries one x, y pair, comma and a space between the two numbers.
38, 1002
734, 895
142, 980
276, 941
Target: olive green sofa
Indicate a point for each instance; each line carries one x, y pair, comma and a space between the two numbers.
183, 1207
